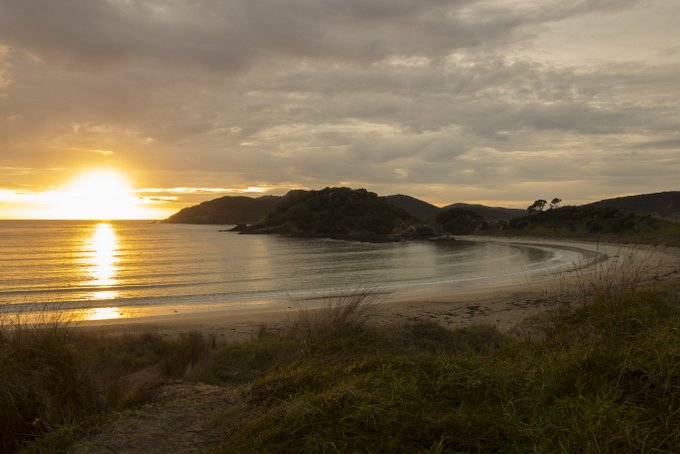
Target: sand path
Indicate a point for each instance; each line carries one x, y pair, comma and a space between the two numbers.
179, 419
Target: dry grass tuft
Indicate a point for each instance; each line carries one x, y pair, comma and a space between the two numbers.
338, 316
609, 283
619, 276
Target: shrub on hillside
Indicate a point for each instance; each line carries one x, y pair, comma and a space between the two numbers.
460, 221
585, 218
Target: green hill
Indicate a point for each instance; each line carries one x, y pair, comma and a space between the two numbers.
335, 213
227, 210
663, 204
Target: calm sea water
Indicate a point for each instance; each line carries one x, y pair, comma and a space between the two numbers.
131, 268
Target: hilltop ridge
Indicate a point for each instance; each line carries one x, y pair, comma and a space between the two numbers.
248, 210
226, 210
489, 213
663, 204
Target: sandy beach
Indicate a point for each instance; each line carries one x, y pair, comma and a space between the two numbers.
502, 303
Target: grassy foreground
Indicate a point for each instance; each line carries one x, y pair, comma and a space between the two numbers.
604, 377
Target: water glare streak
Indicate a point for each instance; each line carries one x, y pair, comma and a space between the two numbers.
102, 260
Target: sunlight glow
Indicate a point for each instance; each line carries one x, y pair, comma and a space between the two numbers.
102, 260
98, 194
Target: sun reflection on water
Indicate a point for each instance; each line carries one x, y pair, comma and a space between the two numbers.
103, 313
103, 260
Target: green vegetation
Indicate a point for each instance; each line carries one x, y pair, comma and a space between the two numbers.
603, 377
335, 213
54, 377
591, 222
460, 221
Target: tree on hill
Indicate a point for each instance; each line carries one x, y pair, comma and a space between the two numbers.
537, 206
460, 221
584, 219
555, 203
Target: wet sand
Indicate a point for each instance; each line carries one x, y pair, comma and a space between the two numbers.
502, 302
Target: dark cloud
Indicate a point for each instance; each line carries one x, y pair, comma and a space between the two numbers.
671, 144
227, 35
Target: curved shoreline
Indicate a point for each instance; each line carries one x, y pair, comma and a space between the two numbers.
506, 306
503, 304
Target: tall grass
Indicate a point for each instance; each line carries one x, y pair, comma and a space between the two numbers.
42, 382
339, 316
618, 276
610, 282
56, 376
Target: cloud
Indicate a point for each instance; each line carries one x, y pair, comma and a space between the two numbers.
390, 94
672, 144
226, 36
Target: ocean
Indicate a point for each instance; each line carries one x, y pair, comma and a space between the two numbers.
115, 269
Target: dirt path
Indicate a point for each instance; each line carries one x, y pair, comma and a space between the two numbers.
180, 419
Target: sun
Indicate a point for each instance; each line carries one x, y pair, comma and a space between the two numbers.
100, 194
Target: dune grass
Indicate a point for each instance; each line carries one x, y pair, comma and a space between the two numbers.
604, 376
605, 379
41, 383
54, 377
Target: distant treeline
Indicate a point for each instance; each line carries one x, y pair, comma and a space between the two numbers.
586, 219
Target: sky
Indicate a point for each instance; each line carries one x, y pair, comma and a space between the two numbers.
499, 102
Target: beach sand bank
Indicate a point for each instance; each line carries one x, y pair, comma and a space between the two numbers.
502, 302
